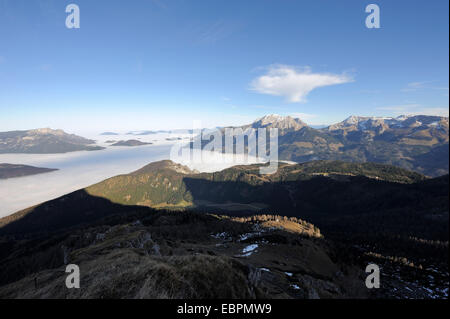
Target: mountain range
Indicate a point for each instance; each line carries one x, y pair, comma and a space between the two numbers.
419, 143
176, 131
130, 143
44, 141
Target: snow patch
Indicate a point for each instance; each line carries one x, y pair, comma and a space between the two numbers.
249, 250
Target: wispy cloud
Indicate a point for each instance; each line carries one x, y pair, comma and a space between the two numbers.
399, 108
304, 116
267, 107
139, 66
438, 111
216, 31
160, 4
2, 59
444, 89
415, 109
416, 86
294, 83
45, 67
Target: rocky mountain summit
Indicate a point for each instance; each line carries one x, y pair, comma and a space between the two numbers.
283, 123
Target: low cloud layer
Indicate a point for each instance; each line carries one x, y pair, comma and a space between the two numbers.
294, 83
81, 169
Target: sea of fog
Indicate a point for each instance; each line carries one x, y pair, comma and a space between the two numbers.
80, 169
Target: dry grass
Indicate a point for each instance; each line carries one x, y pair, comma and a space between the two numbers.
175, 255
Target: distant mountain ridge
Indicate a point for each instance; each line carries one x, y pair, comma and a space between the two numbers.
416, 142
44, 141
18, 170
380, 124
130, 143
109, 133
176, 131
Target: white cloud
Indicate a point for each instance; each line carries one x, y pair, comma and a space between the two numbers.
294, 83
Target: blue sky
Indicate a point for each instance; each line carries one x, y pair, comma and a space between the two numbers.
155, 64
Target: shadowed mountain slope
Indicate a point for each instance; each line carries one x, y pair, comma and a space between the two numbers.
367, 213
152, 254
